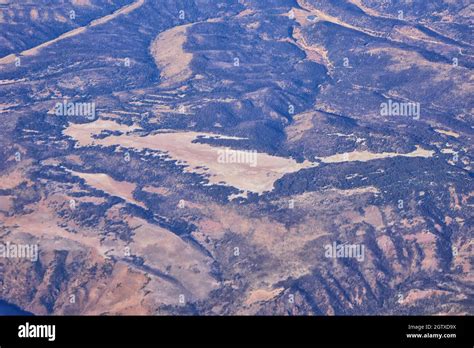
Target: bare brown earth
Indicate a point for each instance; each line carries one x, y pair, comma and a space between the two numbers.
113, 187
124, 290
367, 155
170, 56
447, 132
181, 146
260, 295
247, 254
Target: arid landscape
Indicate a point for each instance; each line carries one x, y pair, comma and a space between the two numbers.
237, 157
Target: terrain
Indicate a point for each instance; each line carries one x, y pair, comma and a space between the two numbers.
216, 148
